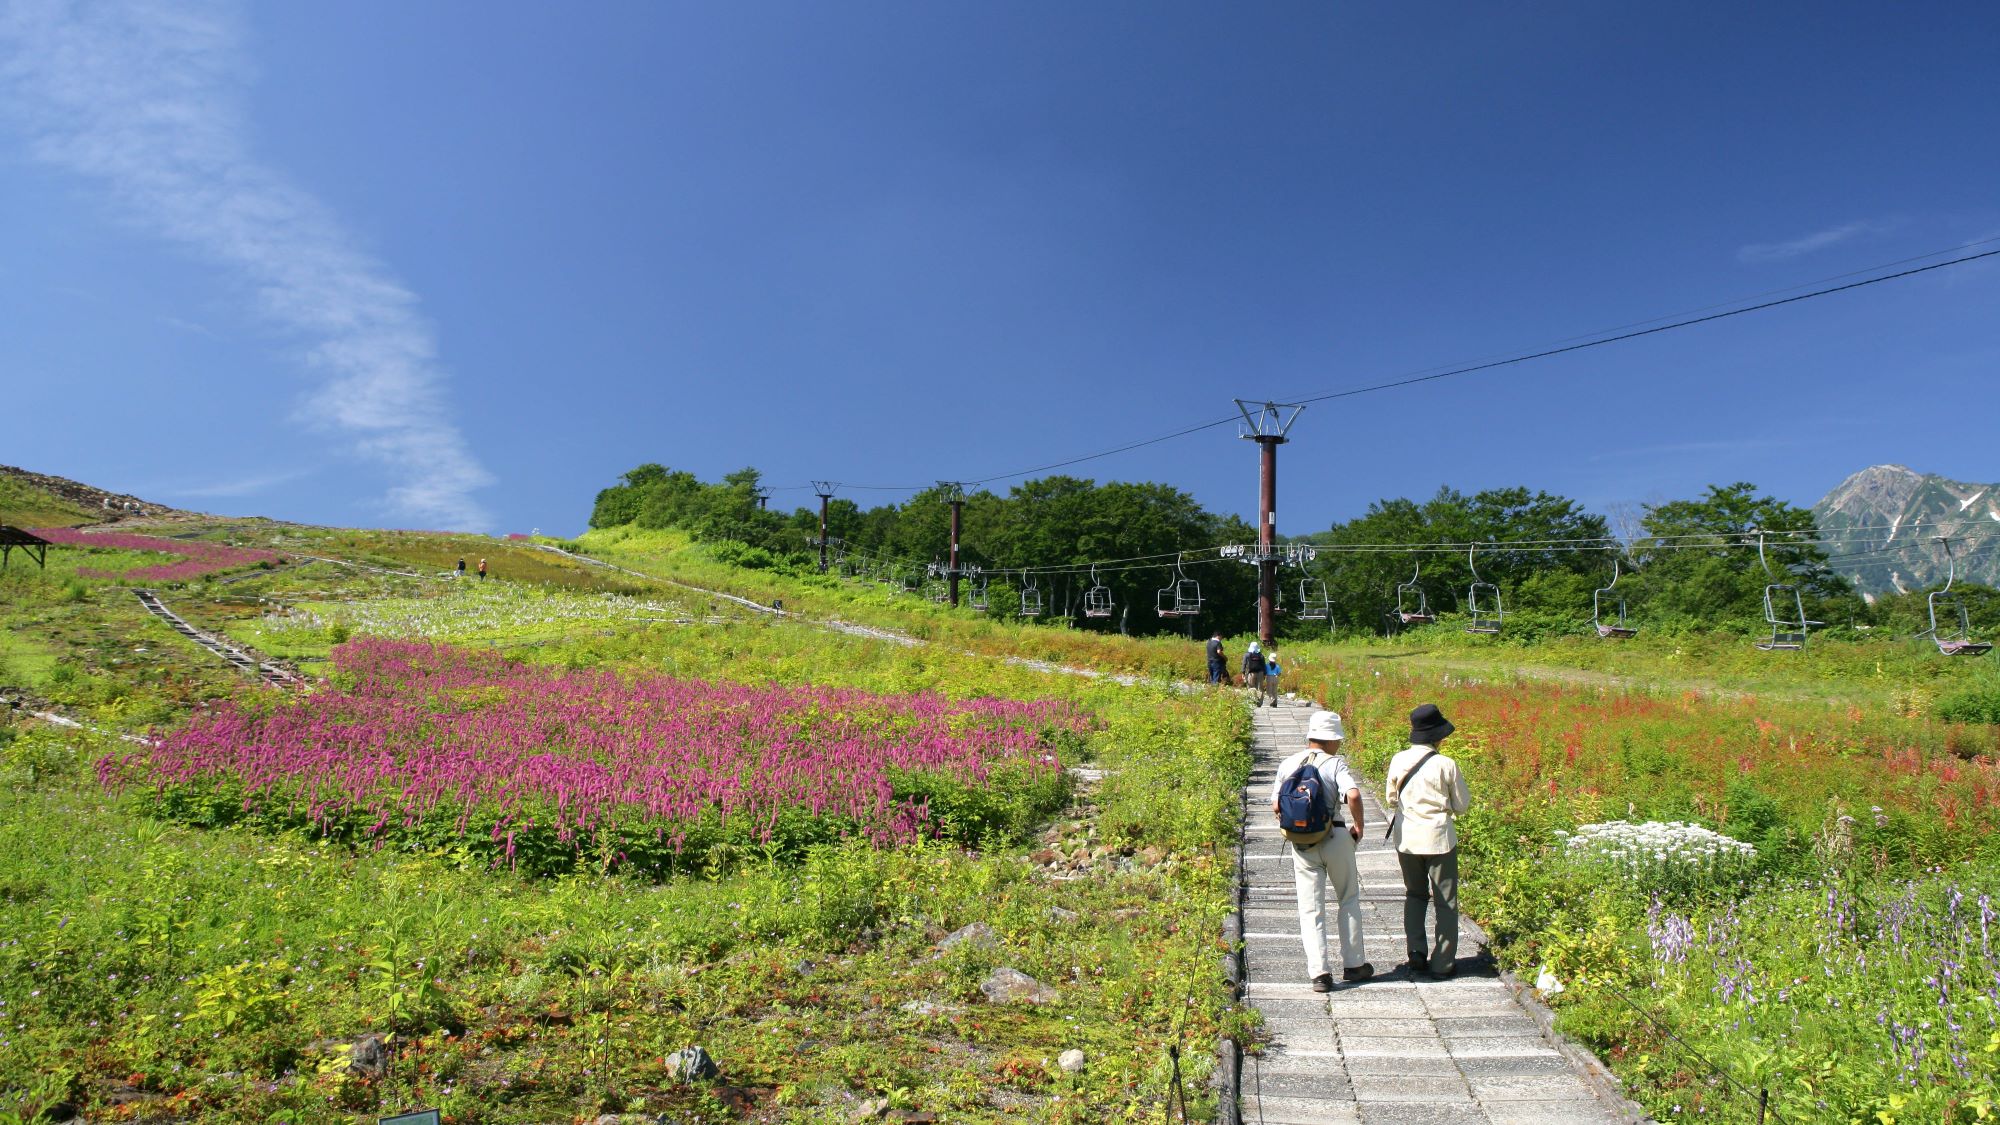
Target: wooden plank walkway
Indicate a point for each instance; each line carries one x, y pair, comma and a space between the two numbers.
1396, 1049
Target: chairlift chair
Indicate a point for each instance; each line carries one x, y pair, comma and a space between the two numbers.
1180, 597
1784, 609
1412, 607
1031, 596
1482, 600
1097, 599
1315, 604
978, 601
1615, 629
1951, 625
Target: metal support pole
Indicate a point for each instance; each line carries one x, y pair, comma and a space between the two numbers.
954, 494
957, 510
1267, 531
1267, 424
824, 490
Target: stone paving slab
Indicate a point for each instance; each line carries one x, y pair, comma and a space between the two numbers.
1300, 1111
1397, 1049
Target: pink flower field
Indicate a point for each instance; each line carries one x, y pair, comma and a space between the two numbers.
437, 742
198, 558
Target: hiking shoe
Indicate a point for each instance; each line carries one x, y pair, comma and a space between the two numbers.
1323, 983
1359, 972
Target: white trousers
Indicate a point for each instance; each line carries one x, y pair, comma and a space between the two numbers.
1329, 861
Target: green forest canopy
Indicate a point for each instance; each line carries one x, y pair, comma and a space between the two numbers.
1546, 553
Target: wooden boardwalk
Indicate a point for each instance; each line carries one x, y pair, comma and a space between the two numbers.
1395, 1049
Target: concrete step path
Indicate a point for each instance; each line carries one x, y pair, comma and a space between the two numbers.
1395, 1049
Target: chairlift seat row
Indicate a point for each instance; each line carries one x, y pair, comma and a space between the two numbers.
1784, 610
1951, 625
1315, 604
1180, 597
1613, 628
1412, 606
1097, 599
1482, 600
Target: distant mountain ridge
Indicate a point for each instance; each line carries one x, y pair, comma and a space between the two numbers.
1893, 513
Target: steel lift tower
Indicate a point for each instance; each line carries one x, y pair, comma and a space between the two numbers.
1267, 424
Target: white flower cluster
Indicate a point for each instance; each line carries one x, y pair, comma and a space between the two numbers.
474, 612
1656, 853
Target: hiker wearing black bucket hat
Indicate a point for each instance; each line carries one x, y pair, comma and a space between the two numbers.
1427, 794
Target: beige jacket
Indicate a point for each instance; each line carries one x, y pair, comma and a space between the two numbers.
1429, 803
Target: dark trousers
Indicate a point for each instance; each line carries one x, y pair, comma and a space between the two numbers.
1216, 670
1430, 880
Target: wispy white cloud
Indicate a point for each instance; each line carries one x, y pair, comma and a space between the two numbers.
1760, 252
190, 326
144, 97
240, 486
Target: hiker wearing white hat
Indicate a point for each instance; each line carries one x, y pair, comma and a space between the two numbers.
1253, 669
1317, 801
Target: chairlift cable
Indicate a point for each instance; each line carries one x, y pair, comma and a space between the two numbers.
1588, 340
1655, 330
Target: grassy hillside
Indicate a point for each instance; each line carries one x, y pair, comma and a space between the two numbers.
200, 947
24, 505
207, 930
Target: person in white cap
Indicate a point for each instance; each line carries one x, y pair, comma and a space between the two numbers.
1253, 670
1324, 854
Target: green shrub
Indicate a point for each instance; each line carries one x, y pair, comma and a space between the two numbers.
733, 553
1976, 704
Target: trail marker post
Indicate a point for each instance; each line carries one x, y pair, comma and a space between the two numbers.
1267, 424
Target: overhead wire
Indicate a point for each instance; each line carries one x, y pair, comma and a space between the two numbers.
1637, 333
1630, 331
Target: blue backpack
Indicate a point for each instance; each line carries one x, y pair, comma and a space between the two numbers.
1303, 812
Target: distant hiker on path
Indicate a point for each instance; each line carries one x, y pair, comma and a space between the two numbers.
1427, 794
461, 569
1271, 674
1253, 667
1218, 665
1312, 789
482, 570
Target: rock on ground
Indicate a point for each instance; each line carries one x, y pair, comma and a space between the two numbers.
1012, 986
979, 935
691, 1064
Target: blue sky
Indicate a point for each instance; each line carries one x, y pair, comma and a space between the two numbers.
455, 264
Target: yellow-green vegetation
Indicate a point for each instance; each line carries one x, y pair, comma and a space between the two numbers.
160, 969
88, 646
438, 553
24, 505
1837, 955
671, 554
